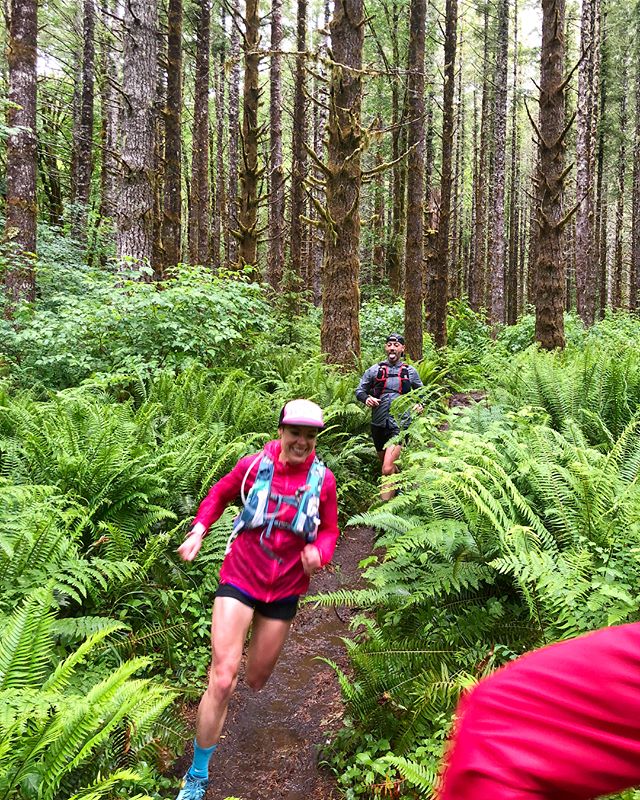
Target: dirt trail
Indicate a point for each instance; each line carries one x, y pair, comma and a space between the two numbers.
271, 738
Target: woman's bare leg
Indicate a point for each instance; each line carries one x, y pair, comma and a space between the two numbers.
229, 626
267, 640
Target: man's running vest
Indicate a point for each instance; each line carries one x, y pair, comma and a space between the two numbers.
380, 381
306, 501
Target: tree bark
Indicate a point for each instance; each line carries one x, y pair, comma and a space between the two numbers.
200, 208
600, 245
438, 320
618, 287
299, 259
395, 248
21, 209
85, 125
317, 190
134, 213
477, 268
497, 242
53, 111
512, 284
457, 222
550, 266
340, 333
414, 253
110, 110
231, 240
250, 172
276, 166
220, 221
634, 282
172, 202
585, 145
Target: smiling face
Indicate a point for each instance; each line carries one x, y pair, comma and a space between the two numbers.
394, 351
298, 442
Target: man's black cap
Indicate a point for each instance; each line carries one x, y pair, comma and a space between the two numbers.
395, 337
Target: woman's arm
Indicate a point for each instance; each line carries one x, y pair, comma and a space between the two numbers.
218, 498
328, 530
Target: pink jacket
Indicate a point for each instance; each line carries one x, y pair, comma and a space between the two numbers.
561, 722
246, 565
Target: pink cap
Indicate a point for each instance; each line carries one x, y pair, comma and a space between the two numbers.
302, 412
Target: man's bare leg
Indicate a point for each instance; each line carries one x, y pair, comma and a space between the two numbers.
391, 455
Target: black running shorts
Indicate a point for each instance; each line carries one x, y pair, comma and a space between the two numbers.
381, 435
277, 609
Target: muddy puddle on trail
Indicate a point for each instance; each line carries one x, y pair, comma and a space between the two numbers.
269, 749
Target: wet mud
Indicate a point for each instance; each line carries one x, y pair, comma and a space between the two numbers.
271, 740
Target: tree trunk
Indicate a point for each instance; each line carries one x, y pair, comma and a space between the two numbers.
250, 172
550, 266
110, 101
231, 241
53, 111
618, 289
340, 334
276, 166
512, 283
497, 243
457, 222
172, 204
21, 210
478, 266
321, 95
394, 248
378, 256
220, 221
439, 318
634, 282
586, 109
200, 209
600, 245
299, 260
134, 213
85, 125
414, 253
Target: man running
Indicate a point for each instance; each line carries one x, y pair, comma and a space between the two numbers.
380, 385
560, 722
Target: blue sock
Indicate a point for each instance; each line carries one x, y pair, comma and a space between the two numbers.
200, 765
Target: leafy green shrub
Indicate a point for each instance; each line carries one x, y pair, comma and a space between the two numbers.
118, 321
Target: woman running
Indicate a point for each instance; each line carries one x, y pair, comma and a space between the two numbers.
287, 530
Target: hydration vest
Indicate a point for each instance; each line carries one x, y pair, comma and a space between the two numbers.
306, 501
380, 381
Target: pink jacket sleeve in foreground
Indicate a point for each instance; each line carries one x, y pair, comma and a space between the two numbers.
560, 722
328, 530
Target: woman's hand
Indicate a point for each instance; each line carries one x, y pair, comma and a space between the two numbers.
190, 548
311, 560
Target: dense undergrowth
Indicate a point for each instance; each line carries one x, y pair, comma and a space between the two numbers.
517, 524
120, 405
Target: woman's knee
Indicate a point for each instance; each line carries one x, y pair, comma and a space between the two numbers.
222, 680
255, 679
389, 468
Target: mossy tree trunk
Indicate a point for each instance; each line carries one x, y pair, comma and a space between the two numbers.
340, 334
21, 210
550, 264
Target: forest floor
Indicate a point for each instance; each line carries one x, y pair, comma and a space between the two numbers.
269, 749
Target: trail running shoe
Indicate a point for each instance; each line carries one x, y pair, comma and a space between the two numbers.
192, 788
